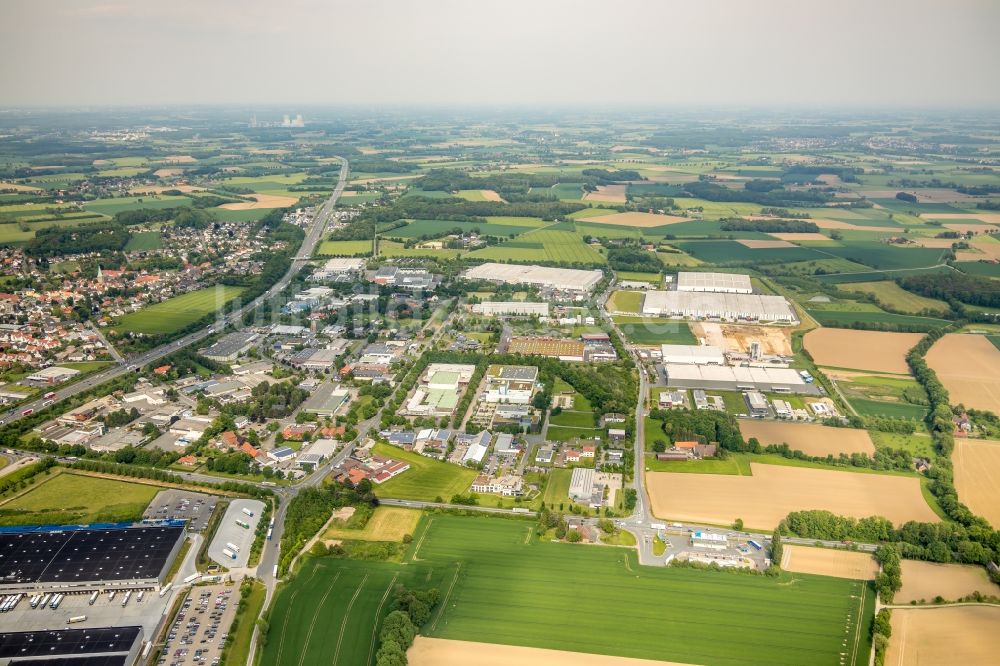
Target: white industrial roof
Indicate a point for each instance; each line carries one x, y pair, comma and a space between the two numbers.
731, 282
727, 306
557, 278
717, 373
691, 354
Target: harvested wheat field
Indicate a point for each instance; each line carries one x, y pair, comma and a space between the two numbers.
766, 497
829, 562
926, 580
160, 189
386, 524
639, 220
261, 201
977, 477
944, 635
936, 243
490, 195
802, 236
971, 227
18, 187
840, 224
179, 159
861, 350
810, 438
167, 173
607, 194
764, 244
988, 218
969, 367
443, 652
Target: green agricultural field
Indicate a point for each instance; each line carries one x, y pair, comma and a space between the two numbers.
626, 301
883, 256
729, 252
543, 245
144, 241
655, 331
899, 410
176, 313
112, 206
495, 226
573, 419
351, 248
69, 498
328, 614
557, 489
837, 318
558, 433
426, 479
652, 278
392, 249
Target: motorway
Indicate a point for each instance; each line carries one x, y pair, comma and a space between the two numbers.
134, 363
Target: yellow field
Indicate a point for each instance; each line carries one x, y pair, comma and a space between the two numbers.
640, 220
977, 477
261, 201
944, 635
801, 236
969, 367
893, 295
861, 350
829, 562
810, 438
607, 194
388, 523
443, 652
926, 580
763, 499
764, 244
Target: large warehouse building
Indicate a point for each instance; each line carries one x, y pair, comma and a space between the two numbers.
696, 354
730, 307
720, 283
110, 646
565, 279
511, 308
726, 378
36, 559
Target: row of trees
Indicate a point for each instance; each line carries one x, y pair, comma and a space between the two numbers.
410, 610
769, 226
955, 286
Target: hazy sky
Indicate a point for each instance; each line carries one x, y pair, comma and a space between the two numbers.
853, 53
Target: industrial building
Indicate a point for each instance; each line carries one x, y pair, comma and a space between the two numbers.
725, 378
726, 306
581, 485
513, 384
566, 279
696, 354
709, 540
511, 308
720, 283
38, 558
108, 646
326, 400
229, 347
564, 350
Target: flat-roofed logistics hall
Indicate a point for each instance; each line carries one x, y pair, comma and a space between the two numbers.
726, 378
70, 557
569, 279
108, 646
723, 283
730, 307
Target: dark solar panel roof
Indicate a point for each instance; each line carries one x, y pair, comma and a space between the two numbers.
86, 555
84, 660
67, 642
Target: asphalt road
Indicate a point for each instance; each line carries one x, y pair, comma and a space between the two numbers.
133, 363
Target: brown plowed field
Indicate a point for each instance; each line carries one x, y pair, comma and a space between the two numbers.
763, 499
969, 367
861, 350
811, 438
926, 580
944, 636
829, 562
443, 652
977, 477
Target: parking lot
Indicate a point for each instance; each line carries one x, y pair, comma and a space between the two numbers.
199, 631
196, 508
231, 533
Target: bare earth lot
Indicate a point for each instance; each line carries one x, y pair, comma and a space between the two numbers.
969, 367
442, 652
737, 337
773, 491
829, 562
811, 438
861, 350
977, 477
641, 220
926, 580
942, 636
